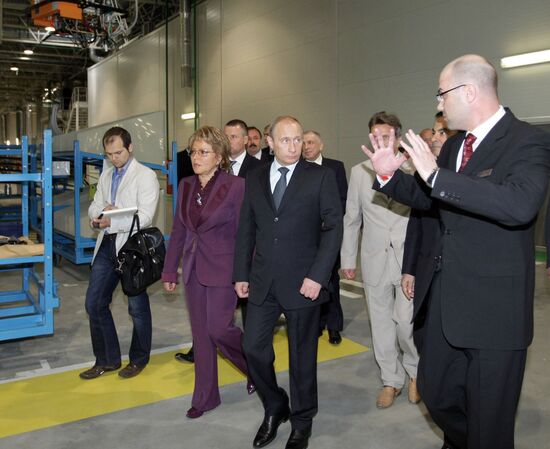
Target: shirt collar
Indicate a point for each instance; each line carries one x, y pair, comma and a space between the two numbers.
482, 130
276, 165
319, 160
239, 159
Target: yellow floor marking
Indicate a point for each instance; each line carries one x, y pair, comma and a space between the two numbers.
50, 400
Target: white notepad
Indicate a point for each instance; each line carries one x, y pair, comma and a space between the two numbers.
123, 211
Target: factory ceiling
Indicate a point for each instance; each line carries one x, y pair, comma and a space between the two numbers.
59, 59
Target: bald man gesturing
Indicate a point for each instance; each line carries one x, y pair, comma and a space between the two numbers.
488, 185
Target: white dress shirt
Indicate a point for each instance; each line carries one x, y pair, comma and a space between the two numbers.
275, 174
238, 163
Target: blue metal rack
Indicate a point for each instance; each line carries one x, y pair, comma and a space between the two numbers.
77, 249
22, 312
10, 214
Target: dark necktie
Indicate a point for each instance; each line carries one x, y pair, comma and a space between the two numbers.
280, 187
232, 169
467, 151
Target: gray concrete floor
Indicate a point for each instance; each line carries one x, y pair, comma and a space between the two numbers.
348, 417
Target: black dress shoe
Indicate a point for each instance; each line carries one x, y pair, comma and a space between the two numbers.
268, 430
298, 439
189, 357
334, 337
447, 444
97, 370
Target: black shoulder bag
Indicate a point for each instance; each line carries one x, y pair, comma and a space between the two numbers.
140, 259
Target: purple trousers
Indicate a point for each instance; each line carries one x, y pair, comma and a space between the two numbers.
211, 311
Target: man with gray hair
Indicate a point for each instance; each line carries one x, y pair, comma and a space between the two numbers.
332, 316
487, 185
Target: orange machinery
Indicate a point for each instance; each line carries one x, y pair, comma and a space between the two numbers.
43, 13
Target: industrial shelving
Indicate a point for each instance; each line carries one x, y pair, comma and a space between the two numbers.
28, 311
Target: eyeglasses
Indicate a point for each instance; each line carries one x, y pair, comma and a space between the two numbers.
439, 94
114, 154
201, 153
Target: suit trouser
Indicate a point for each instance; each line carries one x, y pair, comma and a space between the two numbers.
211, 312
390, 316
471, 394
302, 329
332, 316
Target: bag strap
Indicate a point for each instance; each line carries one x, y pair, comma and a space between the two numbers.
135, 219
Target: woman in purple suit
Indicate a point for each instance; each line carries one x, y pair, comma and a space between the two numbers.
204, 231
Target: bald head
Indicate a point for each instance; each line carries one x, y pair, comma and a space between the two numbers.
474, 69
468, 92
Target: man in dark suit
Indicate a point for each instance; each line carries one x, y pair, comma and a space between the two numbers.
332, 316
488, 185
266, 149
422, 231
287, 243
241, 161
253, 147
185, 169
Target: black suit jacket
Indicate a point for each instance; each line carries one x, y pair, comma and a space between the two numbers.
185, 168
421, 242
301, 239
267, 155
249, 163
341, 180
486, 239
264, 157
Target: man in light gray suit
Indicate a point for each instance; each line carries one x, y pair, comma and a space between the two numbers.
384, 223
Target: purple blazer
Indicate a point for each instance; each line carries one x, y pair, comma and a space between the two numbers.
209, 248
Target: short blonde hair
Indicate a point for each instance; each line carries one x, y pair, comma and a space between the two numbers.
217, 140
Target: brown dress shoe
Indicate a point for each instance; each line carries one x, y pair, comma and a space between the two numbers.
130, 370
97, 370
387, 396
414, 395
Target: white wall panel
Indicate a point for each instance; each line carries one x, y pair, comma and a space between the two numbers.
268, 58
141, 72
209, 62
134, 82
103, 86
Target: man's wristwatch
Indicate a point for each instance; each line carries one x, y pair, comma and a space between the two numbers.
431, 178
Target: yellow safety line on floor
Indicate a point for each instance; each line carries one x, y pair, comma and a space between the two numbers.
50, 400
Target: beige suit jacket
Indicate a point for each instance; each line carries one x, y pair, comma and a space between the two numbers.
384, 223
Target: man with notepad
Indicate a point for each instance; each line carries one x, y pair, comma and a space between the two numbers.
124, 188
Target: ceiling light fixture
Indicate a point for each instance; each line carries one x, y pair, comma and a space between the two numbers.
188, 116
24, 58
28, 51
50, 29
537, 57
14, 68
